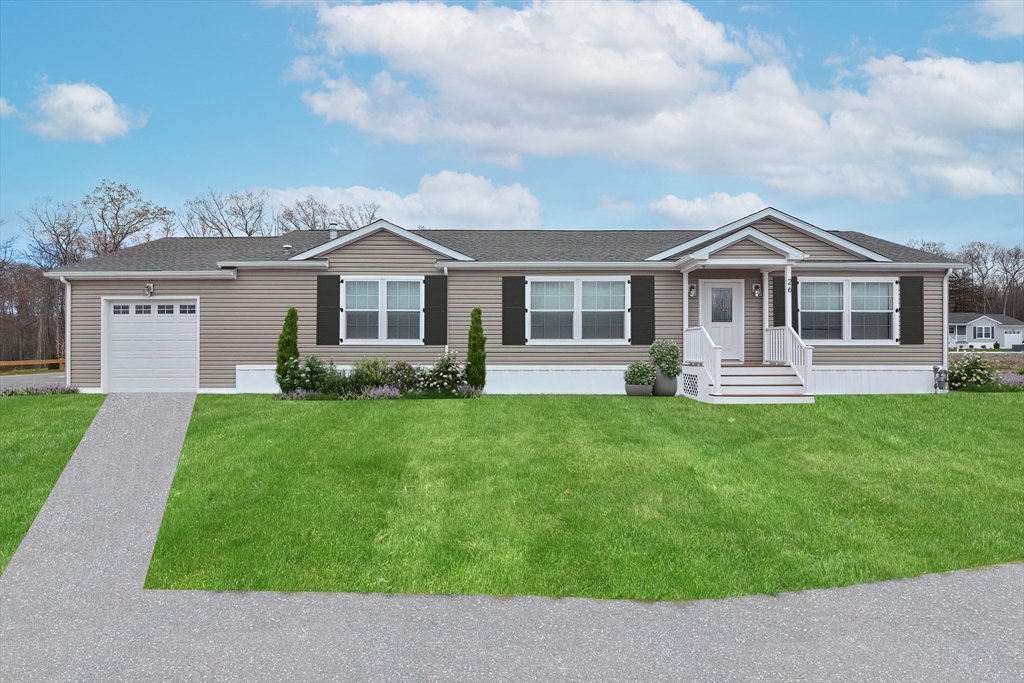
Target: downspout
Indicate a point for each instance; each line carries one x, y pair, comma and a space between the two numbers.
446, 309
67, 330
945, 318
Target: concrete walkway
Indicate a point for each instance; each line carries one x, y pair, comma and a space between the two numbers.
72, 608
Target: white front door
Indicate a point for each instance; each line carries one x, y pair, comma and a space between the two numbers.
721, 314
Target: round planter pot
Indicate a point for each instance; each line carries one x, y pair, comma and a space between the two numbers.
665, 386
639, 389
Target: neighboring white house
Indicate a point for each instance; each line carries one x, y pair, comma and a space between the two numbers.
982, 331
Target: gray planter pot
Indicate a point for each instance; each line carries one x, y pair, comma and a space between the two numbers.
639, 389
665, 386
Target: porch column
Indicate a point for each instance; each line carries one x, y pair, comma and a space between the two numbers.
789, 297
764, 299
686, 300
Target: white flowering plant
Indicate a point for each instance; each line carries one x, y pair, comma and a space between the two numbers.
445, 377
973, 370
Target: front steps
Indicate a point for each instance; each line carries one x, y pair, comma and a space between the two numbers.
746, 384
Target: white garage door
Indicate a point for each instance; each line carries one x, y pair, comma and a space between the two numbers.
1011, 338
152, 345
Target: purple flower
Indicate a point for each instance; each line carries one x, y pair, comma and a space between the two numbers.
1012, 378
380, 392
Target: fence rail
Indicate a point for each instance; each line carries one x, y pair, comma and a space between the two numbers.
20, 363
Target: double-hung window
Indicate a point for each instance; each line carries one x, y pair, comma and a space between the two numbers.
984, 332
857, 311
577, 310
821, 310
382, 310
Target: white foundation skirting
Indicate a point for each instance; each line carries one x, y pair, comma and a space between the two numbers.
252, 379
555, 379
901, 379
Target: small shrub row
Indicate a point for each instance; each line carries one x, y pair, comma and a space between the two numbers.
45, 390
373, 378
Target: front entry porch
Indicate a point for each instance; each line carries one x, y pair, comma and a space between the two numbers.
734, 351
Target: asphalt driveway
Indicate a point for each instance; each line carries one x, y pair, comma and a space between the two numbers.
72, 607
36, 379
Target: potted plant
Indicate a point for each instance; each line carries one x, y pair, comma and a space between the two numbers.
639, 378
665, 359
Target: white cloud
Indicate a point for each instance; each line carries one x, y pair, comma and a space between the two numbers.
1000, 18
81, 111
755, 8
653, 83
6, 108
708, 212
614, 204
446, 200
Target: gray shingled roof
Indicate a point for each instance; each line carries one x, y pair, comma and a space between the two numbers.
203, 253
965, 318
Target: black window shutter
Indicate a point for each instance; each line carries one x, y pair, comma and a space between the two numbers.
778, 301
435, 310
911, 309
328, 310
795, 294
641, 311
513, 310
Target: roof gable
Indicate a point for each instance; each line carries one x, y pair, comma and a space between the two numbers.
372, 229
749, 235
780, 217
997, 319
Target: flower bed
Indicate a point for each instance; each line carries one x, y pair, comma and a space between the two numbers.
373, 379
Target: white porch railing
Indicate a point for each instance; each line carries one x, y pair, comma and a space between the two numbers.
700, 349
784, 345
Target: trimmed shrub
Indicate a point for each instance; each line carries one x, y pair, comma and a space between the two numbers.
476, 353
288, 342
334, 382
370, 372
445, 377
973, 370
308, 376
664, 355
996, 345
639, 373
404, 377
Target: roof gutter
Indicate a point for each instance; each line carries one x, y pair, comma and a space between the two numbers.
556, 265
317, 263
871, 265
142, 274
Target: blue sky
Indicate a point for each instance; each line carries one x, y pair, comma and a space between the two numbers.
905, 120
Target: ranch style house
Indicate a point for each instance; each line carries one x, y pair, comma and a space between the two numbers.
768, 308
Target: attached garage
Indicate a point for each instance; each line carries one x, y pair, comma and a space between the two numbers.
150, 344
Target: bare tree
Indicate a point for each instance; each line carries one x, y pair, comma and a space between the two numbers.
56, 233
212, 214
119, 216
1009, 262
979, 257
312, 214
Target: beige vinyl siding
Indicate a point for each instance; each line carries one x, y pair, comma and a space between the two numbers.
470, 288
753, 318
929, 353
746, 249
815, 249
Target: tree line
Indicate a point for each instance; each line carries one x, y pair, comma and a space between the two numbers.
113, 217
992, 282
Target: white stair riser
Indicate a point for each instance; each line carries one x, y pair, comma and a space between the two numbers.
762, 380
761, 390
757, 370
747, 400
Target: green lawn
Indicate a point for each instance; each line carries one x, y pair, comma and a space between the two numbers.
38, 435
596, 496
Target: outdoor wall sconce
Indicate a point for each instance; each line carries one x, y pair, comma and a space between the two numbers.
757, 291
693, 291
148, 290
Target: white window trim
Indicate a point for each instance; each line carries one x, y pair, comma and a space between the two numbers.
382, 311
848, 339
990, 328
577, 314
